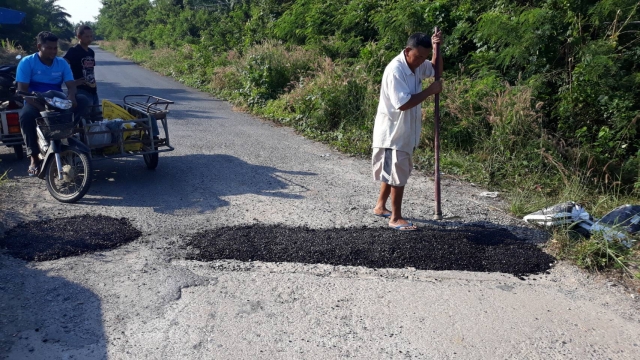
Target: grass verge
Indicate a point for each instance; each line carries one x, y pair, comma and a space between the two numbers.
9, 51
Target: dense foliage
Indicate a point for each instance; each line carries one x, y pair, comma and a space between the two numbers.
539, 93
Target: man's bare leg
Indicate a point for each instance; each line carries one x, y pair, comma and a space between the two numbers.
35, 161
381, 205
396, 219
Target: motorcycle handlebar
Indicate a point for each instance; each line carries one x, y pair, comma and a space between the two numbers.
28, 95
24, 93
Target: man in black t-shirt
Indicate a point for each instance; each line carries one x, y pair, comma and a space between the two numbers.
82, 60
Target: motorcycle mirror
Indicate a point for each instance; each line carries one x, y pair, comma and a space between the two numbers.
18, 57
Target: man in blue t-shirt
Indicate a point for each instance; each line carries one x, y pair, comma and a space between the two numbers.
42, 72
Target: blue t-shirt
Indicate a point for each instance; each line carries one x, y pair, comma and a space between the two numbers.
41, 77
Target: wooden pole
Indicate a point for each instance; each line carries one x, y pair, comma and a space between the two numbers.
438, 209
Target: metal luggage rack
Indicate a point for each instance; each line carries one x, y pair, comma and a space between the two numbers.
151, 108
153, 105
146, 108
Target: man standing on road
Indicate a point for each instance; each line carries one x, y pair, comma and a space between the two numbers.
81, 58
42, 72
396, 132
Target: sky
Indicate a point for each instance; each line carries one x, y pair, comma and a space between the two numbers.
81, 10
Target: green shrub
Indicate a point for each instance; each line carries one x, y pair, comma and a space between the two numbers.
337, 104
269, 69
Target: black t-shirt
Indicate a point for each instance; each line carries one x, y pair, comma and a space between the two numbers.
82, 66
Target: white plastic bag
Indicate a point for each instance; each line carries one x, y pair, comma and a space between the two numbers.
561, 214
98, 140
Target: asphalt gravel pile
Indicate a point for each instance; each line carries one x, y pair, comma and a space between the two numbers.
470, 248
58, 238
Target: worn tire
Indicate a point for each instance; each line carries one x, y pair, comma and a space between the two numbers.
151, 160
51, 171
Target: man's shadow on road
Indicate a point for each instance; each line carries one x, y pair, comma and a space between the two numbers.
188, 184
47, 317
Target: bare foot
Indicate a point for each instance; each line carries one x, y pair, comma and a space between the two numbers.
383, 211
34, 168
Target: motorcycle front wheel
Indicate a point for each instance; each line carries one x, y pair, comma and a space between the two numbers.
76, 176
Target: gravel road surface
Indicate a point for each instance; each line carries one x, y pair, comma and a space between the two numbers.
167, 294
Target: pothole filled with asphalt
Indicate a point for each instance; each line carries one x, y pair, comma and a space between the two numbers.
468, 248
58, 238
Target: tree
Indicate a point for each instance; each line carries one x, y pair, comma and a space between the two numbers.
41, 15
124, 19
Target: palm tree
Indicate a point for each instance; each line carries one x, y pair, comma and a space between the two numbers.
58, 18
51, 17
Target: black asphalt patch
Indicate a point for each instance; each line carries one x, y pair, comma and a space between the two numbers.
470, 248
58, 238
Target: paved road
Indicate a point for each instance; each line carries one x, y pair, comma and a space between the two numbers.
143, 301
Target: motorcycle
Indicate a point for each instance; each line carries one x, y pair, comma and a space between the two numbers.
65, 160
7, 81
10, 106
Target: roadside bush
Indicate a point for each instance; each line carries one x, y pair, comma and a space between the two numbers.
595, 253
269, 69
336, 104
226, 82
495, 125
8, 52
